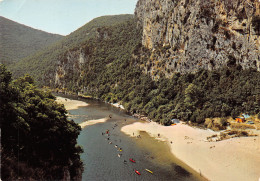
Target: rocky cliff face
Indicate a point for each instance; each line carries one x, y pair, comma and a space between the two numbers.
186, 35
71, 65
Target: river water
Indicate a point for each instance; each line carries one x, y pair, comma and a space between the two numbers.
101, 160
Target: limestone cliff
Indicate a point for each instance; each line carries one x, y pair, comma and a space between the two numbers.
186, 35
72, 64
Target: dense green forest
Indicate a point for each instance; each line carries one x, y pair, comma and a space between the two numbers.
41, 65
113, 72
38, 142
18, 41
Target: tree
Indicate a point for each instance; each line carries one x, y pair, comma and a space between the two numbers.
35, 130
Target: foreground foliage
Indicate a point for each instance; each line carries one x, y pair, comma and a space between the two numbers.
38, 142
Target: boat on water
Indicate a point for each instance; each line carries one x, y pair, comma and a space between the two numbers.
149, 171
132, 160
115, 146
119, 155
137, 172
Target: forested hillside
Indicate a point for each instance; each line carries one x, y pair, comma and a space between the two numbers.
42, 64
111, 65
18, 41
38, 142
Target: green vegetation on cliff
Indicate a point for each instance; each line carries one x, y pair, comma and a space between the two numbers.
41, 65
113, 73
113, 70
38, 142
18, 41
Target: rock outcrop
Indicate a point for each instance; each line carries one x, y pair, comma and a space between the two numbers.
70, 65
187, 35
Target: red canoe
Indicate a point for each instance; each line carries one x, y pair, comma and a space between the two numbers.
137, 172
132, 160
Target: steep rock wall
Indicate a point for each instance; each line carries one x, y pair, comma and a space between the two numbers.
71, 65
186, 35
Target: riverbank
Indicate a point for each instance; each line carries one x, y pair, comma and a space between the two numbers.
69, 103
92, 122
231, 159
75, 104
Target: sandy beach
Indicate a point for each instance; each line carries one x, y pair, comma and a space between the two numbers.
70, 104
231, 159
75, 104
91, 122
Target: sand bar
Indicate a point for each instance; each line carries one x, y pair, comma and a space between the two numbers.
70, 104
232, 159
92, 122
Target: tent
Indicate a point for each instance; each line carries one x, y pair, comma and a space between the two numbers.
245, 116
239, 120
175, 121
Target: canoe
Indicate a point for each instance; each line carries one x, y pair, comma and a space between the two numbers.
149, 171
137, 172
132, 160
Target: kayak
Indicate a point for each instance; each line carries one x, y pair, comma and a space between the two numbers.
132, 160
137, 172
149, 171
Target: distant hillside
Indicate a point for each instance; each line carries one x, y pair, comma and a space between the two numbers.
43, 62
18, 41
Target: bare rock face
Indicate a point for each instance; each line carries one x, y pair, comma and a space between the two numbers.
71, 64
187, 35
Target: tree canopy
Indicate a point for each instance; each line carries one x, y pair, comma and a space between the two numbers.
38, 141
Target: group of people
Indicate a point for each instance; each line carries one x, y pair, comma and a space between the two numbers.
107, 133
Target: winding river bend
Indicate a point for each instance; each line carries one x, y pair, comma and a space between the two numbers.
100, 157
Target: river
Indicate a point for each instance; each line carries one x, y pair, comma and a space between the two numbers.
101, 160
